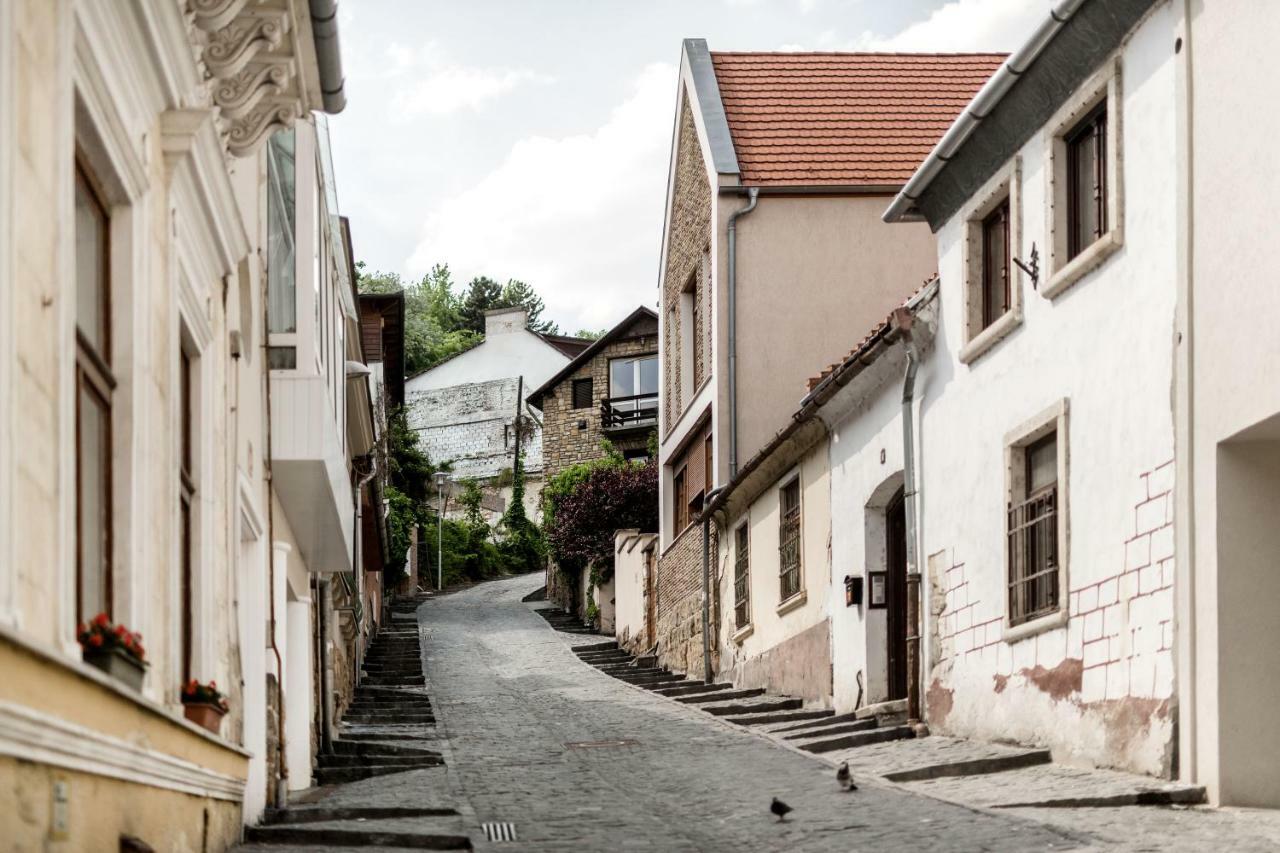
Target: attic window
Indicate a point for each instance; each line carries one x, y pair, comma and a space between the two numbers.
582, 393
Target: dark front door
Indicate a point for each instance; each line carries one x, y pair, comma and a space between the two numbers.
896, 594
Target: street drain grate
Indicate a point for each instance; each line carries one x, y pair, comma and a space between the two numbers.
500, 831
600, 744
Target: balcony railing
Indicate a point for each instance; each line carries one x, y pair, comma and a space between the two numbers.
638, 410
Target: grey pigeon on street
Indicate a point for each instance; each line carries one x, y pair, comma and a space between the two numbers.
845, 778
779, 808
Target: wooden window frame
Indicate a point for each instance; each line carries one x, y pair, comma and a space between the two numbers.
790, 533
742, 576
680, 501
94, 378
186, 512
1090, 135
997, 221
585, 382
1020, 623
984, 327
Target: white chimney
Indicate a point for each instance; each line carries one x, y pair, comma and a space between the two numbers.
505, 321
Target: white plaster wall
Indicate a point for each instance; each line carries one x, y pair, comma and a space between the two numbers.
469, 426
510, 353
859, 478
628, 584
1104, 345
771, 629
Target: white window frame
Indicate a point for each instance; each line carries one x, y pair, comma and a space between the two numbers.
1006, 184
1103, 86
1052, 419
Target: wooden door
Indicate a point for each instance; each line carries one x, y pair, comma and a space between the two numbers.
896, 594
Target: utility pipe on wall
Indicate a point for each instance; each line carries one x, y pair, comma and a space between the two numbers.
903, 318
706, 587
753, 195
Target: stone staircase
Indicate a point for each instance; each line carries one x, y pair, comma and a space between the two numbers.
387, 729
564, 621
785, 717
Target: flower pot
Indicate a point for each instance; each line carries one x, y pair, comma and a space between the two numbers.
118, 664
204, 714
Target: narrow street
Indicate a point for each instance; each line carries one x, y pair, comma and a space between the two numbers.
519, 709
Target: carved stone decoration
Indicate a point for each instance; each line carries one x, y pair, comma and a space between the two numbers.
261, 122
239, 94
235, 45
213, 15
253, 53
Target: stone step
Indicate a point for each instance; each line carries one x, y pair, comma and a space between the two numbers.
366, 705
388, 719
388, 680
1013, 760
721, 696
342, 746
343, 775
843, 728
420, 734
693, 689
340, 834
813, 717
856, 739
622, 666
658, 682
893, 706
738, 709
604, 658
314, 814
380, 760
830, 718
633, 674
612, 644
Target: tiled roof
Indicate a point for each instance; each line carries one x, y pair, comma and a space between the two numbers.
846, 119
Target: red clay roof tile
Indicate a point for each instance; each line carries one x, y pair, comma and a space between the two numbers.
842, 119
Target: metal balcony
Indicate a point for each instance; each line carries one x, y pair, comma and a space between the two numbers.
639, 411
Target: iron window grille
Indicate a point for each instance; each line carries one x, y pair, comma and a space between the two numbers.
789, 541
1033, 556
1087, 181
742, 579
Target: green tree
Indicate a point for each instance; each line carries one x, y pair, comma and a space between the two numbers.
483, 294
517, 293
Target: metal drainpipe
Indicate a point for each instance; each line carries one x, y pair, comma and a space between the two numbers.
753, 195
909, 505
281, 793
357, 563
326, 669
324, 30
706, 587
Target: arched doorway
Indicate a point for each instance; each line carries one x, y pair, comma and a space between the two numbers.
895, 529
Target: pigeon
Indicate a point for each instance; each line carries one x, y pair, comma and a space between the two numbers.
845, 778
779, 808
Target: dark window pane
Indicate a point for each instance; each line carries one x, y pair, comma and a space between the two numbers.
282, 303
282, 358
582, 393
94, 510
648, 370
995, 264
1086, 182
91, 268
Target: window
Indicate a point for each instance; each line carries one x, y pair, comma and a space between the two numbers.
680, 503
633, 391
94, 385
1086, 186
582, 393
742, 577
282, 301
709, 476
995, 264
1033, 535
789, 540
186, 496
1036, 526
1087, 182
993, 300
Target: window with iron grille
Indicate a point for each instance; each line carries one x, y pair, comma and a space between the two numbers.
582, 393
789, 541
742, 578
1087, 181
996, 296
1033, 534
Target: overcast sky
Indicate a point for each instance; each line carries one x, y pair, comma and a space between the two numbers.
529, 138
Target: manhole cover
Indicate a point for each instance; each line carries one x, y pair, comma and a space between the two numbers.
500, 831
600, 744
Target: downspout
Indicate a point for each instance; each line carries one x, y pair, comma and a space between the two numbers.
753, 195
707, 675
282, 777
357, 561
324, 33
326, 667
902, 320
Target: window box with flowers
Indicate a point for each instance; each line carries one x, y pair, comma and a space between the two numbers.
204, 705
114, 649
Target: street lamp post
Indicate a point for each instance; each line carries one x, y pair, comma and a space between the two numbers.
441, 479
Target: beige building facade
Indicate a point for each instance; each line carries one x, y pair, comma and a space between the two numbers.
136, 428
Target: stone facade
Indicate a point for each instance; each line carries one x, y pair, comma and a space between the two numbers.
571, 436
471, 427
688, 263
679, 629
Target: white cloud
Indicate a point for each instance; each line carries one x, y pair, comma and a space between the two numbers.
964, 25
577, 217
451, 88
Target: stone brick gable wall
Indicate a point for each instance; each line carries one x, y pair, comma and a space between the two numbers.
564, 443
679, 630
469, 425
688, 256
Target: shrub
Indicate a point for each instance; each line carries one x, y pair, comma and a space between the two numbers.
585, 512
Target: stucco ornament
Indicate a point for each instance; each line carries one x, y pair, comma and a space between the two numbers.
254, 57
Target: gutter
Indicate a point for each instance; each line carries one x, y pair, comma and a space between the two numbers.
324, 32
903, 208
753, 195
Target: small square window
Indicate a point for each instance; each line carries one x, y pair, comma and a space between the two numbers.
582, 393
